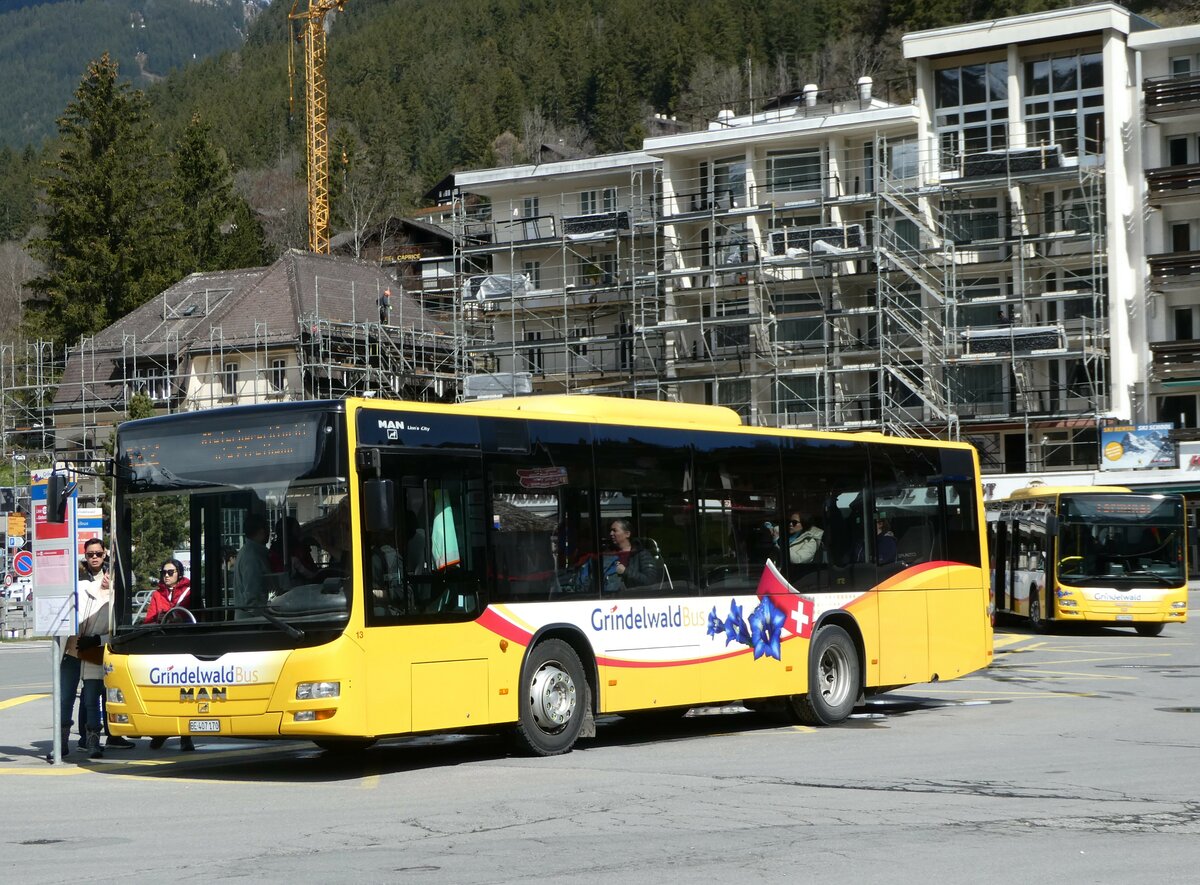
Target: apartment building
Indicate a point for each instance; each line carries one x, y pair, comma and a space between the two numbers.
1009, 255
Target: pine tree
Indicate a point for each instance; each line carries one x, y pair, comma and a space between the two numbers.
109, 245
203, 189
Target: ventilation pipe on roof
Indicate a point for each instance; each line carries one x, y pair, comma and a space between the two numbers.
864, 88
810, 94
724, 120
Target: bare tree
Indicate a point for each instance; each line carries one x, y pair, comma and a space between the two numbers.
16, 266
280, 199
712, 87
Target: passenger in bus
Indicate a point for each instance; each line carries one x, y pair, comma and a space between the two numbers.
387, 576
630, 564
251, 569
885, 542
173, 590
804, 540
299, 566
332, 534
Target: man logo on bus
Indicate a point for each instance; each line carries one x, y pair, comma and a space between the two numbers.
392, 427
191, 695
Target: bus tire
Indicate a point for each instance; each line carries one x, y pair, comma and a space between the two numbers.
553, 699
1148, 629
1036, 622
344, 746
834, 679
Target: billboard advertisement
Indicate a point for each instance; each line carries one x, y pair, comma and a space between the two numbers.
1137, 447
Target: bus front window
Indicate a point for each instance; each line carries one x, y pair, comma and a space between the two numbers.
1120, 541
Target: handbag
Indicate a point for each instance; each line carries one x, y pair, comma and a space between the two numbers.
93, 655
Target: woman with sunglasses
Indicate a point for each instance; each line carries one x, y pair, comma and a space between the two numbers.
173, 590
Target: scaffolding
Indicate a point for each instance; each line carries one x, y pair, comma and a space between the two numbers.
906, 291
60, 405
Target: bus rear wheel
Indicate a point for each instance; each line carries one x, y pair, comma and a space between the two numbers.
834, 679
1148, 629
553, 699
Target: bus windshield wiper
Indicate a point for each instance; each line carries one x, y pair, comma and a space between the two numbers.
293, 632
1161, 578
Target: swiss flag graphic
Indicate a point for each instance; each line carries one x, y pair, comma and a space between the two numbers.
798, 608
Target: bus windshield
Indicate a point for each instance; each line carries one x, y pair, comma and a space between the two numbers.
244, 529
1121, 540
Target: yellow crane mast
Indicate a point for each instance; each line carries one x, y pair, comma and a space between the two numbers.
309, 28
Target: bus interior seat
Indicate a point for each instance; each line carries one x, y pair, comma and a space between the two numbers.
915, 545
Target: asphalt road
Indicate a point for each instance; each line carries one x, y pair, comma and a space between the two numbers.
1074, 758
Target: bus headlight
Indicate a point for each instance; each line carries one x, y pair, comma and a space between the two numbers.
1178, 605
312, 691
1067, 603
115, 696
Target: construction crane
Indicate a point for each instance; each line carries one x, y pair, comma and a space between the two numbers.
308, 27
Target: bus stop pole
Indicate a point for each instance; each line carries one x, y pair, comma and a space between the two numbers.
56, 651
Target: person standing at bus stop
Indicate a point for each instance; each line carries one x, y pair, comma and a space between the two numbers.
83, 655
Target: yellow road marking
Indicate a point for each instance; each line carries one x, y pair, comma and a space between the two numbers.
803, 729
369, 782
23, 699
1065, 673
57, 771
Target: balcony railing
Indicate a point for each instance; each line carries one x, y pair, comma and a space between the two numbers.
1173, 360
1166, 95
1182, 268
1173, 181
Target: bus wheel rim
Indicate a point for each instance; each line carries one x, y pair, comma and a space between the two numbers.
552, 696
834, 670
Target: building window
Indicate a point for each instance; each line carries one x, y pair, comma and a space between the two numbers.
588, 203
903, 159
972, 110
533, 273
731, 333
278, 375
609, 196
794, 170
151, 381
729, 183
972, 219
798, 399
229, 379
733, 395
1071, 211
534, 355
1064, 103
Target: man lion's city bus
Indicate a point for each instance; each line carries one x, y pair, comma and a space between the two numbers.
528, 564
1090, 553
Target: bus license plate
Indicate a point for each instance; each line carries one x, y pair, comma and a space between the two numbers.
1124, 617
204, 725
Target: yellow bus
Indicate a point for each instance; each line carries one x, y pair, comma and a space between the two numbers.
1090, 553
528, 564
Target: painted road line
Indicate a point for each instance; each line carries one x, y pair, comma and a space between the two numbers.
23, 699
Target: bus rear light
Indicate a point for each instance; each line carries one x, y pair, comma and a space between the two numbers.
311, 691
115, 696
314, 715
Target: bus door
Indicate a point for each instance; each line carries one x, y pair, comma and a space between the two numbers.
1000, 575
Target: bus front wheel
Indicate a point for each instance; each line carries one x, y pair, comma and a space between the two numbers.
553, 699
1148, 629
834, 679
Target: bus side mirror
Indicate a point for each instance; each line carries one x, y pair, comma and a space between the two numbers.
1052, 525
379, 497
58, 490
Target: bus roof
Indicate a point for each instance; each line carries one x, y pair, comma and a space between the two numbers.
1032, 492
605, 408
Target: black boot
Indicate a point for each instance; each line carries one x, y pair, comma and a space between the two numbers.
157, 742
95, 751
185, 743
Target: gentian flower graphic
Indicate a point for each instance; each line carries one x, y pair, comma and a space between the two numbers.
735, 625
766, 623
715, 625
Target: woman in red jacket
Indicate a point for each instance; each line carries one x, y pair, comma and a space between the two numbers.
173, 590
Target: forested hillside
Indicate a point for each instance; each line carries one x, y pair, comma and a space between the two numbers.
418, 88
44, 48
